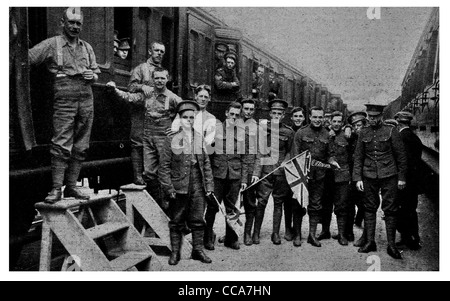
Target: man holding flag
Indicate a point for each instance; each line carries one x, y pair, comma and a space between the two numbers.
267, 165
230, 175
314, 138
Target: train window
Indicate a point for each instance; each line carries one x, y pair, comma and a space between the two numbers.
123, 24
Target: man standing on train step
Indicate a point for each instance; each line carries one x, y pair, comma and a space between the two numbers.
141, 80
380, 165
73, 63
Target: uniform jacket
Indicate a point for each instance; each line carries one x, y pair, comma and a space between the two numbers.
284, 137
226, 165
341, 152
176, 161
379, 154
318, 143
413, 148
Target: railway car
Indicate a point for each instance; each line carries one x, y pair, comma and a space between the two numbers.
420, 95
190, 36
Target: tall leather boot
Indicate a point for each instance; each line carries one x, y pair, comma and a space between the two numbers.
298, 219
137, 161
72, 174
342, 223
249, 218
259, 217
289, 231
349, 226
362, 240
277, 214
209, 235
175, 241
370, 220
58, 170
326, 221
313, 221
197, 251
391, 221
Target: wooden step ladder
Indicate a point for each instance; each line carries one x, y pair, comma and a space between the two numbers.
137, 198
98, 235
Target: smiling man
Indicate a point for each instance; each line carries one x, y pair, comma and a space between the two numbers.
314, 138
73, 64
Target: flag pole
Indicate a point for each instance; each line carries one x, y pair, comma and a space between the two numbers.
282, 165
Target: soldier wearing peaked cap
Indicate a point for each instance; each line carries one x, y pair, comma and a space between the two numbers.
186, 177
123, 48
72, 62
226, 81
279, 142
380, 163
315, 138
408, 224
357, 121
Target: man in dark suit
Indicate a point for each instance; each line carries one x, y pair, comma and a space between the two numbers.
408, 225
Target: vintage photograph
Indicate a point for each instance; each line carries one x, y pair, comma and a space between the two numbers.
224, 139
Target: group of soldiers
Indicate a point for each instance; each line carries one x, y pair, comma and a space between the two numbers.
190, 162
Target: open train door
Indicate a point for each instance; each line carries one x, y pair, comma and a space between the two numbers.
21, 130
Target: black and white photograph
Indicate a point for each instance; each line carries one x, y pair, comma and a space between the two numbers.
224, 139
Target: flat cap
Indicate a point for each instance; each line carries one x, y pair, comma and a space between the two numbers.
278, 104
187, 105
403, 116
391, 122
356, 116
374, 110
232, 55
124, 45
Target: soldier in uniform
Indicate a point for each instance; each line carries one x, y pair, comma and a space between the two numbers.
141, 80
230, 174
275, 183
226, 80
340, 151
314, 138
186, 177
408, 225
123, 48
73, 63
248, 110
357, 120
380, 164
298, 118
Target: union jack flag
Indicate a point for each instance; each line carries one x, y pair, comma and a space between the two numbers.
296, 171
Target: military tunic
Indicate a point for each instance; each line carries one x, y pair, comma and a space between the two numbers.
185, 169
380, 162
316, 141
275, 183
229, 172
